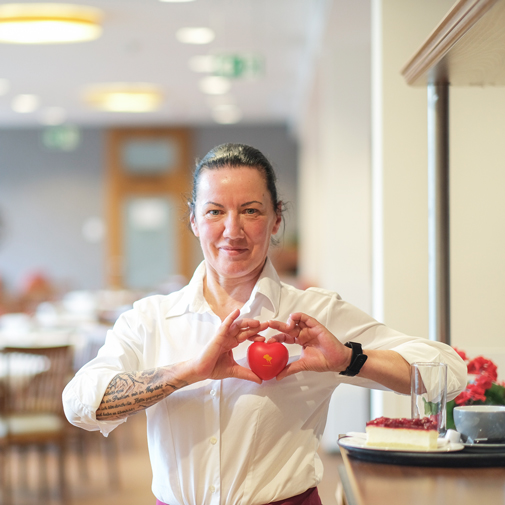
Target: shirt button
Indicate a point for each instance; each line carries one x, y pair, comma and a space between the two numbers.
212, 489
213, 440
212, 392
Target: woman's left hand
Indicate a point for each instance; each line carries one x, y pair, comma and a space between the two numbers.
216, 361
322, 351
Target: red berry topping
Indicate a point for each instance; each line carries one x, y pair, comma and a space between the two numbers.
413, 424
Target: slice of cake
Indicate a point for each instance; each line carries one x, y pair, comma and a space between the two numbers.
408, 434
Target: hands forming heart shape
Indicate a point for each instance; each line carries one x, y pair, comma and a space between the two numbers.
268, 357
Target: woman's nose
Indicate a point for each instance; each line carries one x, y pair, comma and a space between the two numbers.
233, 226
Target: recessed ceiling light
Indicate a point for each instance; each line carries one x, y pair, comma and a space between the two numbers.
4, 86
48, 23
124, 97
25, 103
215, 85
195, 35
226, 114
52, 116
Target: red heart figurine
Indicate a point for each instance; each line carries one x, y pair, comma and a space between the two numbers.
267, 360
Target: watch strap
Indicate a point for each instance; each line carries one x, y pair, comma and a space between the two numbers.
357, 359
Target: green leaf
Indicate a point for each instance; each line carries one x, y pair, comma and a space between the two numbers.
450, 415
430, 408
495, 395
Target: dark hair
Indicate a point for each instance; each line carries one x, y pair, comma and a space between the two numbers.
235, 156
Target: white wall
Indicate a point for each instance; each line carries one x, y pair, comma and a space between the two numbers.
404, 24
46, 197
335, 212
334, 190
477, 181
478, 223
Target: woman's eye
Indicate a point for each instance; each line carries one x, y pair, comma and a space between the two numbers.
213, 212
251, 212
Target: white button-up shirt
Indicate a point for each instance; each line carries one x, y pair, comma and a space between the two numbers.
231, 442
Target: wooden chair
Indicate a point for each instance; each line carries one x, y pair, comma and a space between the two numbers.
85, 442
32, 413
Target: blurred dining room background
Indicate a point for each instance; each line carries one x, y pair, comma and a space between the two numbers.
98, 140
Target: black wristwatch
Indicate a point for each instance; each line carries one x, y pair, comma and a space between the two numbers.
357, 360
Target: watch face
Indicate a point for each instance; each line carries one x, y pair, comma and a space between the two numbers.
361, 359
358, 363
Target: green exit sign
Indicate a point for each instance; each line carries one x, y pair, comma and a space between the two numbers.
238, 66
61, 138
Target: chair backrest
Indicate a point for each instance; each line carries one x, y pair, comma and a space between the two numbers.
34, 378
86, 353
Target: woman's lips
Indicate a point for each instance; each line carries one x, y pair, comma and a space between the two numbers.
233, 251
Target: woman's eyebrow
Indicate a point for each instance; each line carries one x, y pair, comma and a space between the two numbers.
214, 203
252, 201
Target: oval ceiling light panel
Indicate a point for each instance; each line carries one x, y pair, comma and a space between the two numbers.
215, 85
195, 35
124, 97
49, 23
25, 104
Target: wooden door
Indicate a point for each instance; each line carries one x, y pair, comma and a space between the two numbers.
148, 182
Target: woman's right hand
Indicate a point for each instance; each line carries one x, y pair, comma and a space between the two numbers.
131, 392
216, 361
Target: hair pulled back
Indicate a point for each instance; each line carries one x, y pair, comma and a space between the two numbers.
236, 156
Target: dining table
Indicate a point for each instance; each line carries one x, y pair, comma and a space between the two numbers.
470, 478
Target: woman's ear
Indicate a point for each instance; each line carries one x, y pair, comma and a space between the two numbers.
194, 226
278, 219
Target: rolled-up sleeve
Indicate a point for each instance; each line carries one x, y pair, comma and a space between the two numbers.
120, 353
350, 323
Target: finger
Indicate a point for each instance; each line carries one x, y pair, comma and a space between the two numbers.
256, 338
283, 338
300, 318
247, 334
251, 324
279, 326
240, 372
291, 369
284, 373
230, 319
254, 323
287, 328
291, 323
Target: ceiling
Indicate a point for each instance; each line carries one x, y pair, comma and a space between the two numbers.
138, 44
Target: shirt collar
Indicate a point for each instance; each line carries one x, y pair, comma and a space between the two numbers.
266, 293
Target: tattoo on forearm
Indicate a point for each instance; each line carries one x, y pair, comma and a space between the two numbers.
132, 392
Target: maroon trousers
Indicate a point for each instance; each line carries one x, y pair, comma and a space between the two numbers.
310, 497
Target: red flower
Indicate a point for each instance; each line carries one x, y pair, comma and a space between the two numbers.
483, 382
469, 396
462, 354
481, 365
476, 390
483, 387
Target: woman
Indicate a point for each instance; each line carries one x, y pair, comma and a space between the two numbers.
216, 432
